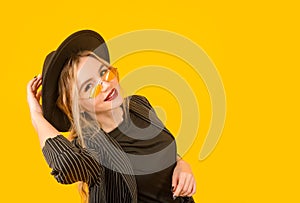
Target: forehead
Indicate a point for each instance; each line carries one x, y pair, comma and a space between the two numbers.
88, 65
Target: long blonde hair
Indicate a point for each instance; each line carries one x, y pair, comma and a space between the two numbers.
68, 93
68, 103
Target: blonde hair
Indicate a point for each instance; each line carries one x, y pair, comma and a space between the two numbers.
68, 102
68, 93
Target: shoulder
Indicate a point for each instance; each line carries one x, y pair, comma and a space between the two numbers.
139, 99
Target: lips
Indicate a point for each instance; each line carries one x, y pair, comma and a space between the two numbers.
111, 95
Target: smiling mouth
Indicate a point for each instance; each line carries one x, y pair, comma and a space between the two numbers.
111, 95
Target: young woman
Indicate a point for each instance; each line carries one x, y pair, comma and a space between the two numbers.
118, 148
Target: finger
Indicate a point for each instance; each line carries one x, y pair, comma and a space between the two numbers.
36, 84
174, 181
32, 81
194, 189
187, 186
40, 81
38, 95
190, 188
179, 186
29, 85
39, 84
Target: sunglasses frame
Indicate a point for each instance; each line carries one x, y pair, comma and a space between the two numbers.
98, 87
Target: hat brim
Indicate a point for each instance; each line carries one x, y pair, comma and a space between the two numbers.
53, 65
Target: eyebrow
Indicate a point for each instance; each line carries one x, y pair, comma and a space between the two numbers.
88, 80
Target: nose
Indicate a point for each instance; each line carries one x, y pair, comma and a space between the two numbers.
105, 86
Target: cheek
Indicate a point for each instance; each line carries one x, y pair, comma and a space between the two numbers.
116, 84
87, 105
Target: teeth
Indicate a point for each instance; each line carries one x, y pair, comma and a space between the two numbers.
110, 94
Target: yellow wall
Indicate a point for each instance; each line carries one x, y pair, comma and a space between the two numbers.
254, 46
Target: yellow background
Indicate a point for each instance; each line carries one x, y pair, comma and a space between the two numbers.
255, 47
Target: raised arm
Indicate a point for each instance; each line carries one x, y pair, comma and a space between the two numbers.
43, 128
70, 163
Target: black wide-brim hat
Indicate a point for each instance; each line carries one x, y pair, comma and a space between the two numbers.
53, 65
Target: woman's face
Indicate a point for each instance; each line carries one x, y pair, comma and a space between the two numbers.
99, 89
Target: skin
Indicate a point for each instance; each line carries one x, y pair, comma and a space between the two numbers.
108, 113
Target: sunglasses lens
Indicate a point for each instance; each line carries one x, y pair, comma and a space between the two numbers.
96, 91
109, 75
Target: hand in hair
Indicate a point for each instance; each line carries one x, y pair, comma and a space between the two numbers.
43, 128
33, 95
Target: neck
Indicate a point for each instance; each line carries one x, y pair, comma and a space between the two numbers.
109, 120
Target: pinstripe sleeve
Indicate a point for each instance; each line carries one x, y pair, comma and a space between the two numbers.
70, 163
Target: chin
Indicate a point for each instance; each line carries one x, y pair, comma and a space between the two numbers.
109, 105
116, 102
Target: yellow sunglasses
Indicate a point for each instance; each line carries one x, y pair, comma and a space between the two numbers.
108, 76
